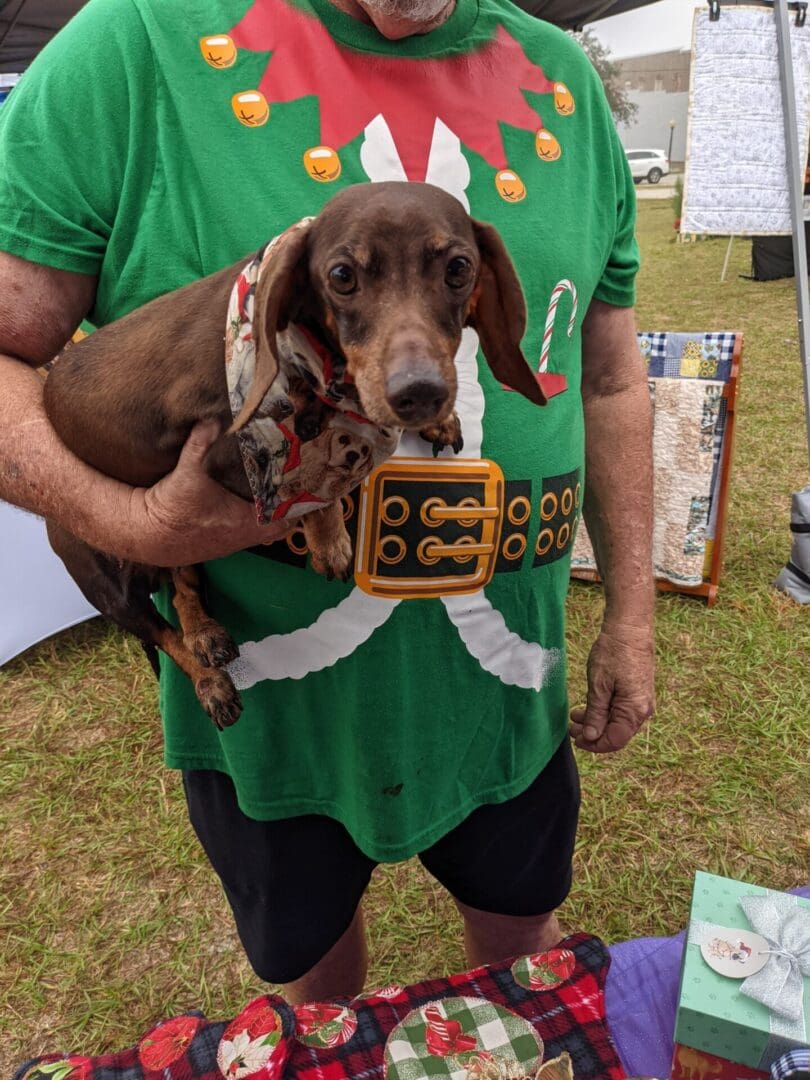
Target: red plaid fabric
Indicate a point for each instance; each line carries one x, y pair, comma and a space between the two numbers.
541, 1007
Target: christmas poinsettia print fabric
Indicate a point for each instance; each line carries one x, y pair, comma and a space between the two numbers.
540, 1017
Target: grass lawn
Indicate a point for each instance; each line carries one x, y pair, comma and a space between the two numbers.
109, 915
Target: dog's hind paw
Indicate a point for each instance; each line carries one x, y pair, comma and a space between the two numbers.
212, 645
219, 697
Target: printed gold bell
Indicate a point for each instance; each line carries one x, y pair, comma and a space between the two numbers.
322, 164
250, 108
546, 145
563, 99
509, 186
219, 51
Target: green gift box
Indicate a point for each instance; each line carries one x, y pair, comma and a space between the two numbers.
763, 937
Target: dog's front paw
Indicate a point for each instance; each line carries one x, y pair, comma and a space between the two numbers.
212, 645
219, 697
333, 559
447, 433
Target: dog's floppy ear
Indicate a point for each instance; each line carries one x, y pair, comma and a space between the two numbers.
498, 314
282, 280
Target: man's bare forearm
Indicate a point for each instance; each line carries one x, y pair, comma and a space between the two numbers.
618, 511
185, 518
39, 473
618, 506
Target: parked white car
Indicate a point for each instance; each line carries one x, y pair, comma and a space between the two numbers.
647, 165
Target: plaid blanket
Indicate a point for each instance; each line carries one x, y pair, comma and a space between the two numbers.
541, 1016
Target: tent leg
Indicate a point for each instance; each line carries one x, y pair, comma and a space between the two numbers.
796, 169
728, 256
795, 577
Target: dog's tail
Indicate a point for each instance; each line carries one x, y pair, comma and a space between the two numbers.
152, 656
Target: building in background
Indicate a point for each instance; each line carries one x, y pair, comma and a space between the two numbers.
6, 83
658, 84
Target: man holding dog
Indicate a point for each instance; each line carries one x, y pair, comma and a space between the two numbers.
446, 733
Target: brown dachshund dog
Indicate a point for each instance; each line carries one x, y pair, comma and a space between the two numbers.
384, 279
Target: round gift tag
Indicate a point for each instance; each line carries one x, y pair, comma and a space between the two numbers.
735, 953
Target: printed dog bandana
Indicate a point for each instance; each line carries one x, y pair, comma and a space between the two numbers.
538, 1018
292, 472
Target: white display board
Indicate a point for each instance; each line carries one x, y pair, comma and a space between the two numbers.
736, 163
37, 597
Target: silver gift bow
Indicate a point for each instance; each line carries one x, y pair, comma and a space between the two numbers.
785, 925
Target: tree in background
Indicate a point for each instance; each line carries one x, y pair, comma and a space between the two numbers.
624, 110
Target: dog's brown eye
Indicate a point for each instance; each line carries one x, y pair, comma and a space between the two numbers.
343, 440
458, 272
343, 279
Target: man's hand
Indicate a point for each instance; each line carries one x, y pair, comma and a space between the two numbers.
618, 511
621, 690
187, 517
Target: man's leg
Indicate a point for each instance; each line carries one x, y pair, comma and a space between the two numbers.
294, 887
508, 865
341, 973
489, 938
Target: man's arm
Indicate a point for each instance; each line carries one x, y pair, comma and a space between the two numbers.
185, 518
618, 511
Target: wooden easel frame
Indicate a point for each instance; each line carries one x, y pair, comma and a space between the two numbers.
709, 586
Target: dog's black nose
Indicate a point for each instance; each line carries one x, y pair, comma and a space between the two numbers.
416, 395
352, 457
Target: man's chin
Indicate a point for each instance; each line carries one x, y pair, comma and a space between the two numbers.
396, 29
396, 25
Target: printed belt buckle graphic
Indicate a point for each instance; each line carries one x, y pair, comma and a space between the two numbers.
429, 528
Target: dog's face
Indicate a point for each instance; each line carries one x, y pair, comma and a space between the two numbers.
348, 453
393, 272
398, 271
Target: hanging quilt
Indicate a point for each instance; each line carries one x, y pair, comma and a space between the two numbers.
736, 165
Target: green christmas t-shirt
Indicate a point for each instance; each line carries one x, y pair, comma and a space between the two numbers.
156, 141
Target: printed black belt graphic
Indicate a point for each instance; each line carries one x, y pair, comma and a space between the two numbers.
424, 528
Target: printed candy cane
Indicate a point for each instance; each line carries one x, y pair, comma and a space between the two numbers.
562, 286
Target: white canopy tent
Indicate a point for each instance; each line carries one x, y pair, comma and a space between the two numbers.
27, 25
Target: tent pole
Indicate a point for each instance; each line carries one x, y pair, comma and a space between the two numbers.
796, 168
12, 22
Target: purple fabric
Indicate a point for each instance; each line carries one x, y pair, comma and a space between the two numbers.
641, 999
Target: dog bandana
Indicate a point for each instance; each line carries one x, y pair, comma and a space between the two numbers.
300, 451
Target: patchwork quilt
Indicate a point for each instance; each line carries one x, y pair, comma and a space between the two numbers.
686, 375
539, 1017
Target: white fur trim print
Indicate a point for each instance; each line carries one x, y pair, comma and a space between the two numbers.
336, 633
498, 649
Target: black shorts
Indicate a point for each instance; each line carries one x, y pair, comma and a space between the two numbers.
294, 885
